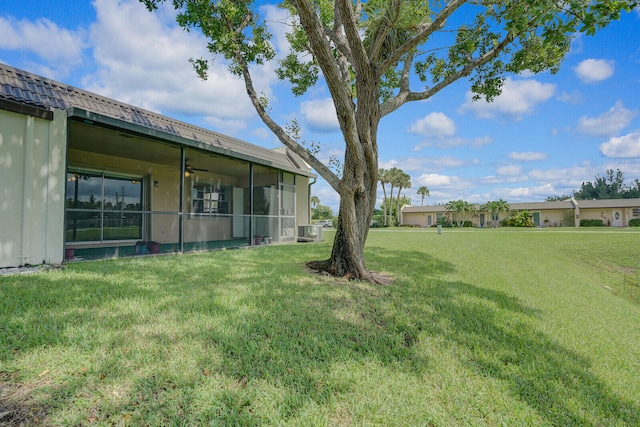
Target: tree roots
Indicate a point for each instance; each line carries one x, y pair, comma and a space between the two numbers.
326, 269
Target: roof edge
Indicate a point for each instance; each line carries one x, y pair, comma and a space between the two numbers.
89, 117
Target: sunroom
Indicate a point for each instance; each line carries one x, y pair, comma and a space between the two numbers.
130, 193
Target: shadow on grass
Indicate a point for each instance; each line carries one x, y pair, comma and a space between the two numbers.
247, 338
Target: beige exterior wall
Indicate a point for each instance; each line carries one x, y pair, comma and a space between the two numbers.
32, 176
551, 218
417, 218
615, 217
303, 207
421, 219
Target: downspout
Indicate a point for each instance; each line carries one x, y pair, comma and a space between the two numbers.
309, 199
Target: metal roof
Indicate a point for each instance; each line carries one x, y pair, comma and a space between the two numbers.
26, 88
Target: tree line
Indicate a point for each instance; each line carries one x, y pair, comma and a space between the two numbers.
609, 186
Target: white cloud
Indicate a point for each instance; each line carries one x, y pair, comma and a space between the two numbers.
320, 115
573, 98
564, 180
279, 22
528, 194
482, 140
435, 180
511, 170
454, 141
528, 156
624, 147
439, 130
594, 70
518, 98
56, 45
432, 164
143, 59
434, 125
608, 123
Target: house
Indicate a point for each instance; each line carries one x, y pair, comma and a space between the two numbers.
86, 176
612, 212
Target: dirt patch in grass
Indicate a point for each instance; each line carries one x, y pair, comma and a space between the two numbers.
17, 408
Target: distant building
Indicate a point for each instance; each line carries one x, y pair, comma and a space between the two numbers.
612, 212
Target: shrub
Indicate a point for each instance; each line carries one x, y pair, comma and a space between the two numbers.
464, 224
443, 221
591, 223
520, 219
635, 222
378, 220
568, 218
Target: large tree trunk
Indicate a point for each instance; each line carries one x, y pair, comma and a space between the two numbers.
358, 184
356, 210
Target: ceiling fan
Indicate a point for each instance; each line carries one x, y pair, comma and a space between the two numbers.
190, 170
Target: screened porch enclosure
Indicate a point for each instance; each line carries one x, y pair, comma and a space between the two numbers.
128, 195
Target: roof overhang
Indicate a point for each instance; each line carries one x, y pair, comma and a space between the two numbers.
26, 109
92, 118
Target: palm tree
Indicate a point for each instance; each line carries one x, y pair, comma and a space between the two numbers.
424, 192
315, 201
461, 207
392, 178
494, 208
404, 181
383, 178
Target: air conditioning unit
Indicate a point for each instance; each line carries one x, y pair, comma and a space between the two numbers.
310, 233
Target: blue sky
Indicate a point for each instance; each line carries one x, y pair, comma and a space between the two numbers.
543, 136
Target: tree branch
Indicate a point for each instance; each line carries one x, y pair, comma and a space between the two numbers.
405, 95
350, 25
340, 93
341, 45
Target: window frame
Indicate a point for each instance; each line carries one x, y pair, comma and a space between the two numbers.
223, 201
102, 213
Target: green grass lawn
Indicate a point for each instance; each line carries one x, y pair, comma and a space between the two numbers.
480, 327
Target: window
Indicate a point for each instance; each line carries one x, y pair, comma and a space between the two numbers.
210, 199
101, 207
636, 212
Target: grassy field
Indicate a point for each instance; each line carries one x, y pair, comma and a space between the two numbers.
480, 327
